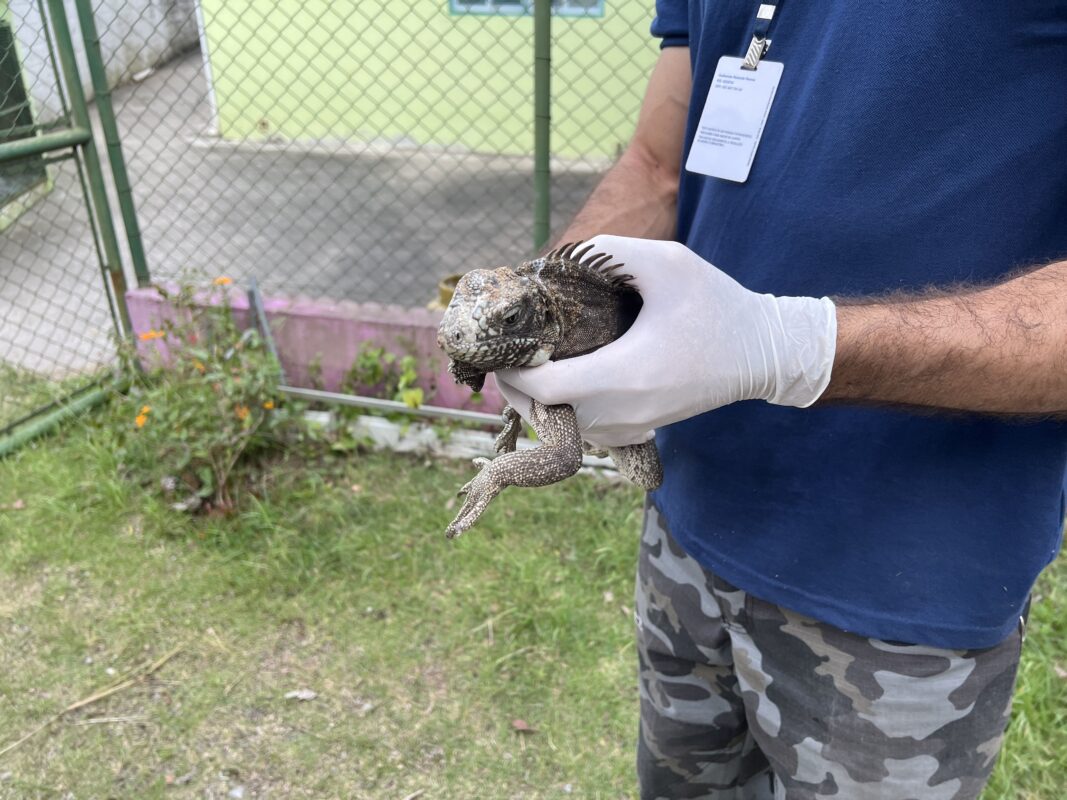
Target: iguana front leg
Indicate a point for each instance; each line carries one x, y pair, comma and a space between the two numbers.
559, 456
508, 438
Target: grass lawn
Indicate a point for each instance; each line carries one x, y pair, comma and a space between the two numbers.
422, 653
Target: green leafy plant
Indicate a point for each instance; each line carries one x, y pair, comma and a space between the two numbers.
204, 408
382, 374
314, 372
406, 391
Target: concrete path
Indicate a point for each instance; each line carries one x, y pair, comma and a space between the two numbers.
344, 220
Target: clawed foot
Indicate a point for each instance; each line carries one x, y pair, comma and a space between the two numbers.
479, 491
508, 438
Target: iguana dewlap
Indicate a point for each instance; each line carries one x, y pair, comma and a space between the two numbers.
565, 304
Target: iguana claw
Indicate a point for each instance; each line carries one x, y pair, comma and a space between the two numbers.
479, 462
479, 491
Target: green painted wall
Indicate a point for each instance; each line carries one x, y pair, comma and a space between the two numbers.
369, 69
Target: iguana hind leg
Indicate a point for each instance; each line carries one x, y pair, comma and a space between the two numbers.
559, 456
639, 463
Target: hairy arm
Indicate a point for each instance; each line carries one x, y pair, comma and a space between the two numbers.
1000, 349
638, 196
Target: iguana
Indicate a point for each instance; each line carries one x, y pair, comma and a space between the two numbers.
567, 303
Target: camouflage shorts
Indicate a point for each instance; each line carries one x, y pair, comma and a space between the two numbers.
744, 699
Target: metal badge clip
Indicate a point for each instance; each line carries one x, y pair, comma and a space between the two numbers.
757, 49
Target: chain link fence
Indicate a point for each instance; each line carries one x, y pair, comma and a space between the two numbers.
363, 149
57, 320
344, 149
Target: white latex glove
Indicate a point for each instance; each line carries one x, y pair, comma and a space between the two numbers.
701, 341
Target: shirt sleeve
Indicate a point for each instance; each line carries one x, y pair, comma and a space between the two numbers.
671, 23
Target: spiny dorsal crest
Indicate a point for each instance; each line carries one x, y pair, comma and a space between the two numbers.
597, 264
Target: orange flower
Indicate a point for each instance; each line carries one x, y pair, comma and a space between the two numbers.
222, 280
269, 405
198, 364
140, 420
149, 335
145, 409
241, 412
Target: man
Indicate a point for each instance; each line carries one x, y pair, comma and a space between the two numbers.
859, 492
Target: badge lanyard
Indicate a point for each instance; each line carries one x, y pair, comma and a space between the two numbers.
736, 110
761, 42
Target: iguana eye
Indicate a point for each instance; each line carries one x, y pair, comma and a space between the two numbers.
511, 317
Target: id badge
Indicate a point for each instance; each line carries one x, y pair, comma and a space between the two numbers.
733, 119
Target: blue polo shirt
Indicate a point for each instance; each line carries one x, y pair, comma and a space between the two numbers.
909, 145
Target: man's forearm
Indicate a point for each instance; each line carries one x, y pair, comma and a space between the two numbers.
1001, 349
637, 197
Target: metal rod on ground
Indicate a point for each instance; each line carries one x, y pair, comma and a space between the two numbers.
80, 112
51, 420
98, 73
376, 404
542, 120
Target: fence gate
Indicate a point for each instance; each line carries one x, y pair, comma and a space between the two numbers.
62, 302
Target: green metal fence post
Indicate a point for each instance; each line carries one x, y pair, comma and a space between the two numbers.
98, 73
542, 120
49, 421
97, 188
45, 143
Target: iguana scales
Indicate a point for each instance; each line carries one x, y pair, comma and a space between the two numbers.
568, 303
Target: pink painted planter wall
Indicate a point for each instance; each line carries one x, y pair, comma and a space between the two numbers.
332, 332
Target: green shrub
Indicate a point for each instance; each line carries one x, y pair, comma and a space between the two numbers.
205, 410
382, 374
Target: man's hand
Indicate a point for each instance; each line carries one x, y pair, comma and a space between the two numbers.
701, 341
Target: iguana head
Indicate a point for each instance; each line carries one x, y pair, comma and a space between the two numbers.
497, 319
